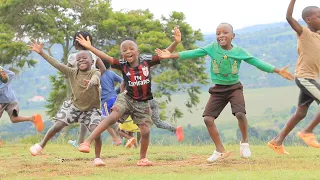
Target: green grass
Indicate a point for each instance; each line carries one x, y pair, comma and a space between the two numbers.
171, 162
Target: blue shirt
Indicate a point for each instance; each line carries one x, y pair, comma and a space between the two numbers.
107, 82
6, 93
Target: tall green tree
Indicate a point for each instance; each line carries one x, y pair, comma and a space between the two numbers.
12, 51
55, 22
171, 76
52, 22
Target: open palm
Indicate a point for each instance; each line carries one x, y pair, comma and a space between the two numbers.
286, 74
164, 54
177, 34
35, 46
84, 42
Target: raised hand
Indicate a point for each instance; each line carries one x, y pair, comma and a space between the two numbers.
89, 83
164, 54
286, 74
84, 42
177, 35
36, 46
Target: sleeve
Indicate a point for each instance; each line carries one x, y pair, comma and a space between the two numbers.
117, 78
192, 54
10, 75
150, 60
116, 64
305, 33
263, 66
61, 67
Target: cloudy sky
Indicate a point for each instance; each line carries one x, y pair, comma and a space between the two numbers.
207, 14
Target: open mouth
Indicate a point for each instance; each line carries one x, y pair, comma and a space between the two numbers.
221, 41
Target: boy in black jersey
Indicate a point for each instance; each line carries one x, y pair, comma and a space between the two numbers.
134, 100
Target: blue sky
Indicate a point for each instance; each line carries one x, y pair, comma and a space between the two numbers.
207, 14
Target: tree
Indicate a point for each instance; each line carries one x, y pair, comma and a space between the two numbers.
56, 22
171, 76
53, 22
12, 51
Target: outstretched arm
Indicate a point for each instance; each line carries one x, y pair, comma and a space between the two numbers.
101, 66
87, 44
37, 47
283, 72
177, 39
293, 23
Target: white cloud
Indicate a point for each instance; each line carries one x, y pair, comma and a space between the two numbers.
207, 14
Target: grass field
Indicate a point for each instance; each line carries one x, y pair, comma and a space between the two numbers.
280, 99
171, 162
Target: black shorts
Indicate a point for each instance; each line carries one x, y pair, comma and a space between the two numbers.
309, 91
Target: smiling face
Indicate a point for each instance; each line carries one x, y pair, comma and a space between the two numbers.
84, 60
129, 51
314, 19
224, 35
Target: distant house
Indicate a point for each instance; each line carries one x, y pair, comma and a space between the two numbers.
36, 99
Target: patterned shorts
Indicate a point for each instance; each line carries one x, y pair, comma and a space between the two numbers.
69, 114
139, 111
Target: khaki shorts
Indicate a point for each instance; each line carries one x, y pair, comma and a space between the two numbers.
11, 108
70, 114
139, 111
221, 95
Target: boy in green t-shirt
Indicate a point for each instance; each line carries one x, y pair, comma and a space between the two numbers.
224, 69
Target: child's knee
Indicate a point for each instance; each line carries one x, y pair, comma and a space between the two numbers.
300, 114
240, 116
58, 126
92, 127
144, 130
208, 119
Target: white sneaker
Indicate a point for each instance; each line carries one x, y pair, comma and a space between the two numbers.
216, 156
245, 150
35, 149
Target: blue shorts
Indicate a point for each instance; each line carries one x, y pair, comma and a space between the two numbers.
107, 104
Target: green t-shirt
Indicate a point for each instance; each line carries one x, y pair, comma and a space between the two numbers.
225, 64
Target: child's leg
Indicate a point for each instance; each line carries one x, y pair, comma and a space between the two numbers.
13, 112
83, 132
111, 119
238, 108
57, 127
300, 113
145, 136
156, 117
215, 105
214, 134
113, 134
312, 125
125, 135
243, 126
98, 142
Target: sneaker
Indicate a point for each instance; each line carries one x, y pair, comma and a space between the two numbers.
144, 162
217, 156
245, 150
131, 142
35, 149
179, 133
37, 120
98, 162
73, 143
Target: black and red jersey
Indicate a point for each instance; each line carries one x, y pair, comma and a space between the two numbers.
137, 79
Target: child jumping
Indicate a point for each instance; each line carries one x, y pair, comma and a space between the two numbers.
9, 102
134, 101
307, 74
84, 104
96, 63
225, 63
